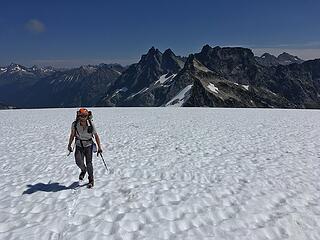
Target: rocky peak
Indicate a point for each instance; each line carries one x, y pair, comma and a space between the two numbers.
206, 48
268, 60
113, 66
286, 58
153, 56
225, 59
16, 68
268, 55
189, 62
168, 53
170, 62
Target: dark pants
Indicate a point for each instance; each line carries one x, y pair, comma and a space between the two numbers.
79, 156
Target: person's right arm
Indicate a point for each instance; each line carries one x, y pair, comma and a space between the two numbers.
71, 138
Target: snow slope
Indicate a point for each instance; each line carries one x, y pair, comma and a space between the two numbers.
177, 173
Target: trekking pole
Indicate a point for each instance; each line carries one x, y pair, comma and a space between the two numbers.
69, 153
104, 162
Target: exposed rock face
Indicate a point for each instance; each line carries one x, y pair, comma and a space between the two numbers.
144, 83
214, 77
231, 77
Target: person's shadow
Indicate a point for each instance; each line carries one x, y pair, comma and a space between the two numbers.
50, 187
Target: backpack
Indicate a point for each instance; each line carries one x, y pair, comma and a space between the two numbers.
90, 128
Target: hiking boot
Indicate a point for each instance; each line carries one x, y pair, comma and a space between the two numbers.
82, 174
91, 183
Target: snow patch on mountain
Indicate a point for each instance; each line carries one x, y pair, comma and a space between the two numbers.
180, 98
117, 71
3, 70
17, 69
124, 89
163, 78
245, 87
69, 78
213, 88
137, 93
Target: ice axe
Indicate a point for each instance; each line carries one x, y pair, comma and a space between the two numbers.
70, 152
103, 161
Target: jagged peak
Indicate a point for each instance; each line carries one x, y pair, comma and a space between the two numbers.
284, 54
13, 65
16, 67
168, 52
206, 48
151, 54
189, 61
153, 51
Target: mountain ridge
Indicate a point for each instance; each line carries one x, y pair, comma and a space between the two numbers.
214, 77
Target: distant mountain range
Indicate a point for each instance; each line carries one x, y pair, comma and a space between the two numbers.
283, 59
214, 77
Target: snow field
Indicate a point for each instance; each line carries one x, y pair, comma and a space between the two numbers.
176, 173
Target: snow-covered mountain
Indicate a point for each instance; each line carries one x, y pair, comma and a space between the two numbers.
18, 74
15, 68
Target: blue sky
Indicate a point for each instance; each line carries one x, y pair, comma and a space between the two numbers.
72, 33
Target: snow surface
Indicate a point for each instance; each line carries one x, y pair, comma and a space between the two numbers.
176, 173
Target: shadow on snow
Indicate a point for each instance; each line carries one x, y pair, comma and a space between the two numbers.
50, 187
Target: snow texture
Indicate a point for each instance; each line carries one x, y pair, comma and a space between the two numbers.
176, 173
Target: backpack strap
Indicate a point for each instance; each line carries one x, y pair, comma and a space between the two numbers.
77, 132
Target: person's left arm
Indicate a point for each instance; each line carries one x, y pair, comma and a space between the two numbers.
96, 136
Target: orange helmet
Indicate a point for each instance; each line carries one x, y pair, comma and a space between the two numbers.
83, 111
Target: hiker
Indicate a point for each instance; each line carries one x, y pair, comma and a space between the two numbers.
83, 131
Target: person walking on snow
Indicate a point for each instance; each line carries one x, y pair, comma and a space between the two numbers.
83, 131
